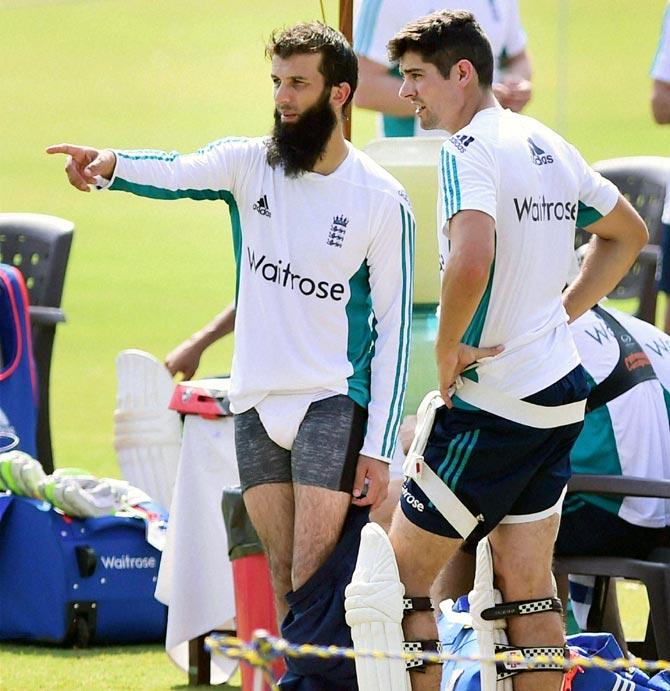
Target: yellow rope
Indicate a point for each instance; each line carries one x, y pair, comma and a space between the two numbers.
264, 649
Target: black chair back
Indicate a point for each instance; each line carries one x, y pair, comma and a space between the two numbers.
39, 246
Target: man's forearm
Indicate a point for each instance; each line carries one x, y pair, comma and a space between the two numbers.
618, 239
606, 263
519, 65
220, 326
463, 286
660, 102
378, 90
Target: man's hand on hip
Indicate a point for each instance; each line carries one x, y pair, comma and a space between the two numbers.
371, 482
452, 360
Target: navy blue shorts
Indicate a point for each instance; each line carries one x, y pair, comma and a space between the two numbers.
495, 466
664, 279
316, 615
587, 529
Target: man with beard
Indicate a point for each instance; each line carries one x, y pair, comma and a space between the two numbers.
323, 242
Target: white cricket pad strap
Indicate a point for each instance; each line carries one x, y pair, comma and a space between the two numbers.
374, 611
444, 500
501, 404
489, 615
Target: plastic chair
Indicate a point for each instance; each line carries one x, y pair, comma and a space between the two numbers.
39, 246
653, 571
642, 180
413, 161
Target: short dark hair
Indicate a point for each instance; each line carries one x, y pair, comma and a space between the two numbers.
442, 39
338, 60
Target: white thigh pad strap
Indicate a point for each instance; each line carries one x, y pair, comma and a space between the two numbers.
444, 500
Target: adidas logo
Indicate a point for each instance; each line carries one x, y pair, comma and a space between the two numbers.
539, 156
262, 206
461, 141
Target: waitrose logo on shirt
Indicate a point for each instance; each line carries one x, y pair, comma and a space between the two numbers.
281, 274
539, 209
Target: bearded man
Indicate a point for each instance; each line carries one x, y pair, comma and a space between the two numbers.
324, 245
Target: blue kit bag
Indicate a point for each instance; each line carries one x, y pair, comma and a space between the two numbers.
459, 638
18, 378
76, 581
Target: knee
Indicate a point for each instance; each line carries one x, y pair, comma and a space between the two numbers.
280, 567
520, 578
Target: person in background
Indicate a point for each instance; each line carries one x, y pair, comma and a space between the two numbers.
376, 21
660, 108
185, 358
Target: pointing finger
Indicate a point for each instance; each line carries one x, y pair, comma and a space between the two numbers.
63, 149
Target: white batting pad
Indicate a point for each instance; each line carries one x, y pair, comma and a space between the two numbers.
483, 596
374, 611
147, 434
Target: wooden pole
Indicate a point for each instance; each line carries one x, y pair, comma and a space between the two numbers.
346, 15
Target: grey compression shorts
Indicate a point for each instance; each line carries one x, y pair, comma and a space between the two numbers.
324, 454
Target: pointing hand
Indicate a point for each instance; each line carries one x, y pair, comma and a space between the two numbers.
85, 163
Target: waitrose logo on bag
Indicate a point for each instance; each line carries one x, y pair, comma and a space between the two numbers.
125, 562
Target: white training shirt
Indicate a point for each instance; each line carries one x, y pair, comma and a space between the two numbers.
324, 273
660, 68
377, 21
536, 187
630, 435
660, 71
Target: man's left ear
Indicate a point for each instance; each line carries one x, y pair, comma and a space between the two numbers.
340, 93
465, 71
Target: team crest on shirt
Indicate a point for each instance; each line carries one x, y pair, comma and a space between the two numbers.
337, 231
461, 141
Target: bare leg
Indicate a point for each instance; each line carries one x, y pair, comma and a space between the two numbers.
420, 555
319, 517
270, 508
384, 513
456, 577
522, 558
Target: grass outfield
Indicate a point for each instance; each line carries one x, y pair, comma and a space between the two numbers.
144, 274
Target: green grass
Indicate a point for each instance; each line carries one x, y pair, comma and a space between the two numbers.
144, 274
127, 667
